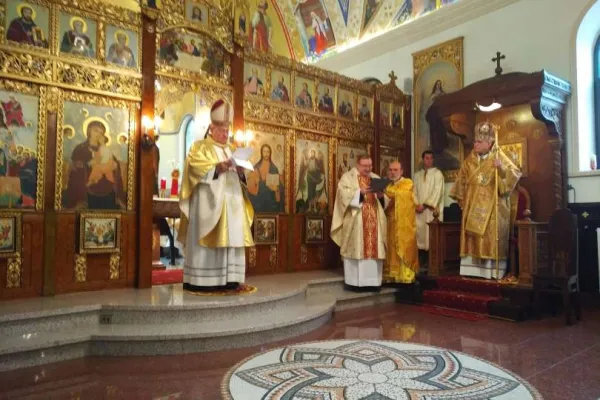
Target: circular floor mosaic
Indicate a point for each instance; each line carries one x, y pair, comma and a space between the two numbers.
370, 370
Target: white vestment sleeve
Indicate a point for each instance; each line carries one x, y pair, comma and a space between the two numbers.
356, 200
210, 175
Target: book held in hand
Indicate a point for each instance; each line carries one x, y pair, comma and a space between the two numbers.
379, 185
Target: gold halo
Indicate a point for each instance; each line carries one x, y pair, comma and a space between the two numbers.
87, 122
121, 32
78, 19
71, 130
21, 6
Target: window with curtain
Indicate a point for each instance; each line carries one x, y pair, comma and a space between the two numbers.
596, 108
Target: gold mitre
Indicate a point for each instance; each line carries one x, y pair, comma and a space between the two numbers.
485, 131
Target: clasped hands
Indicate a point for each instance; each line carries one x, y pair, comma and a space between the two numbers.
225, 166
367, 190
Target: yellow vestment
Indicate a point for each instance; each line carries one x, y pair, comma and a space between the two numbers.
213, 222
474, 191
402, 261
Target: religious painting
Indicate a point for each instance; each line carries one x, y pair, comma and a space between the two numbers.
314, 230
385, 119
365, 108
10, 234
315, 27
192, 52
371, 8
437, 70
254, 79
517, 153
99, 233
258, 22
280, 86
411, 9
19, 129
312, 164
384, 162
27, 23
326, 102
95, 157
346, 103
304, 92
266, 184
397, 117
196, 12
346, 158
78, 35
265, 229
121, 47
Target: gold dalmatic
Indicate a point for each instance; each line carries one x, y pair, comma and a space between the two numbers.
402, 261
369, 217
474, 191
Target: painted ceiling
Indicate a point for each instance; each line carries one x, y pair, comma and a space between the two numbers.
309, 30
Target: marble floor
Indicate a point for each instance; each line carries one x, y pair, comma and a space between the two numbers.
561, 362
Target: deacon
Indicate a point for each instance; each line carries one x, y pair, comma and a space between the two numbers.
402, 261
475, 192
216, 213
429, 189
359, 227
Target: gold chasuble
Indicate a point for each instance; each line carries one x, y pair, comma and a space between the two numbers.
216, 216
359, 229
402, 261
474, 191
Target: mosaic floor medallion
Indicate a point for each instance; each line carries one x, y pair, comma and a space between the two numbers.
370, 370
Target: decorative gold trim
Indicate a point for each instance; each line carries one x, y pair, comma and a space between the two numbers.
303, 254
252, 257
82, 219
273, 256
114, 266
17, 234
80, 269
14, 272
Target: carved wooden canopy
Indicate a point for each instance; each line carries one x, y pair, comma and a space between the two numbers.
455, 112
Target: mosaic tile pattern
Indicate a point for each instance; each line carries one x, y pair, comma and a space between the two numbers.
369, 370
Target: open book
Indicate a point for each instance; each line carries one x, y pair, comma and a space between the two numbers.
241, 157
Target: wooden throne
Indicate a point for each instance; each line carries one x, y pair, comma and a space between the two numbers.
531, 122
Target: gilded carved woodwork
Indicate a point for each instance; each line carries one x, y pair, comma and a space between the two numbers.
114, 266
14, 272
48, 65
303, 254
80, 270
273, 256
321, 254
252, 257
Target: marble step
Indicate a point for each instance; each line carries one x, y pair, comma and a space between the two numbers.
155, 339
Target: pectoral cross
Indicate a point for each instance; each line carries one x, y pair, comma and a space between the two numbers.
393, 78
497, 59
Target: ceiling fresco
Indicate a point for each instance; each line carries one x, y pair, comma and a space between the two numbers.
309, 30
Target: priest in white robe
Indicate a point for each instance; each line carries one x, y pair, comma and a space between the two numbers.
429, 191
216, 213
359, 227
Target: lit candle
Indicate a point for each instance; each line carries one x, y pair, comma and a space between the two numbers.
174, 187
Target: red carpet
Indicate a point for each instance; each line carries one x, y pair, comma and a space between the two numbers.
167, 276
471, 295
446, 312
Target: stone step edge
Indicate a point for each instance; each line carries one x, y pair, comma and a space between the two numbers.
94, 335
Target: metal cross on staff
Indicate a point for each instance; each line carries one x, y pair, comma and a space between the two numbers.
497, 59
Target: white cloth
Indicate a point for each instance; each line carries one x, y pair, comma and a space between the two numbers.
362, 272
481, 268
205, 266
429, 189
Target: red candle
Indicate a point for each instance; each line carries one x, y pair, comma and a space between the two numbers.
163, 184
174, 187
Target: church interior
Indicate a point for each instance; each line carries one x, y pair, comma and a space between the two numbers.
102, 101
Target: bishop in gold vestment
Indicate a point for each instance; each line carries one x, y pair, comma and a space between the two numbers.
359, 227
402, 261
216, 213
474, 191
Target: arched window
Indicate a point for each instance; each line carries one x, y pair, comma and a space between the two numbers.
597, 96
190, 135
